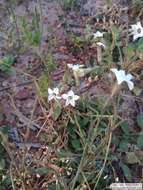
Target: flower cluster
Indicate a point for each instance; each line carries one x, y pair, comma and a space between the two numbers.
136, 31
121, 76
70, 98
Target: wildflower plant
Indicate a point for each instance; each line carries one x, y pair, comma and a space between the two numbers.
90, 111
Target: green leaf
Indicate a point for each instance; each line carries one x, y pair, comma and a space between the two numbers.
115, 140
43, 83
140, 45
125, 127
123, 146
2, 164
6, 63
76, 144
126, 171
116, 32
131, 158
5, 182
36, 38
5, 129
57, 111
130, 51
140, 120
42, 171
140, 141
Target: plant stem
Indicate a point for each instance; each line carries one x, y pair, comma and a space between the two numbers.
105, 160
80, 167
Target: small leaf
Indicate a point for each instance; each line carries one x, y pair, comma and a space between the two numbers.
130, 51
125, 127
131, 158
116, 32
115, 140
57, 111
126, 171
140, 120
6, 64
2, 164
43, 83
42, 171
123, 146
76, 144
140, 45
140, 141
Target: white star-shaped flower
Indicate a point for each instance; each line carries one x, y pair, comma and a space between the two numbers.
121, 77
75, 67
136, 30
70, 98
53, 94
97, 35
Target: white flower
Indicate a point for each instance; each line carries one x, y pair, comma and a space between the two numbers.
136, 30
78, 70
53, 94
70, 98
123, 77
75, 67
97, 35
101, 44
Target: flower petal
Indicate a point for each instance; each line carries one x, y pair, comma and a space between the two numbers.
139, 25
70, 66
67, 102
120, 75
50, 91
58, 97
50, 97
70, 93
98, 35
101, 44
130, 85
72, 102
56, 90
76, 97
129, 77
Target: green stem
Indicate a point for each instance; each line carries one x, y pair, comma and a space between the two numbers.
105, 160
80, 167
